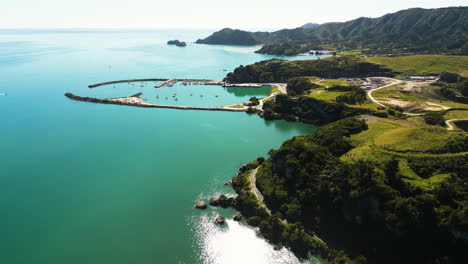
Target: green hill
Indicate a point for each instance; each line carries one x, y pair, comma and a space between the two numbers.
417, 30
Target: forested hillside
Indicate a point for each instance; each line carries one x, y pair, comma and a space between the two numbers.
417, 30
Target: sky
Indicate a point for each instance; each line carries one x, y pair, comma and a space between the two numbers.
212, 14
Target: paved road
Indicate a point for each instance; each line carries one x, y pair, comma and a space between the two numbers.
255, 191
369, 93
395, 81
450, 126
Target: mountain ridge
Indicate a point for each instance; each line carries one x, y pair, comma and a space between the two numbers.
441, 30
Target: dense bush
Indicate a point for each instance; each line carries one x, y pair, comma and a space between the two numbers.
308, 110
299, 85
280, 71
434, 118
366, 203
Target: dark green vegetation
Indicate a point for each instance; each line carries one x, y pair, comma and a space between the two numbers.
291, 49
454, 87
285, 49
353, 185
356, 94
277, 231
300, 85
229, 36
417, 30
280, 70
177, 43
253, 101
308, 110
434, 118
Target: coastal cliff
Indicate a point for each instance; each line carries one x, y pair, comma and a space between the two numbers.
362, 205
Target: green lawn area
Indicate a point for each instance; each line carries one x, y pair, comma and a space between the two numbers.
331, 97
450, 104
424, 64
326, 96
421, 139
392, 92
456, 114
403, 137
275, 90
236, 106
377, 128
330, 82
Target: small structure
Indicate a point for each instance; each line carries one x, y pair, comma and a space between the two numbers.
422, 78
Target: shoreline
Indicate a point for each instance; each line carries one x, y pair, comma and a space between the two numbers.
164, 80
135, 100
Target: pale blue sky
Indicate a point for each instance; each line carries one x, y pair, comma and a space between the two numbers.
243, 14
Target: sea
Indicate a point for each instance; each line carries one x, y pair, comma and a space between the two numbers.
94, 183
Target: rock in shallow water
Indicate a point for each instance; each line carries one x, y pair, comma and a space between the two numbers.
214, 201
200, 204
237, 217
220, 220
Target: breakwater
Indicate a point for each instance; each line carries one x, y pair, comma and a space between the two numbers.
126, 81
135, 100
165, 81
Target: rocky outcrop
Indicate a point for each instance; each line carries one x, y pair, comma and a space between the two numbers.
214, 202
237, 217
225, 201
200, 204
222, 201
220, 220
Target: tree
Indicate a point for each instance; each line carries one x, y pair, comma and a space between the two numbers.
434, 118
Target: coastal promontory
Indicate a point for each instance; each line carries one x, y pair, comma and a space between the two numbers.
229, 36
177, 43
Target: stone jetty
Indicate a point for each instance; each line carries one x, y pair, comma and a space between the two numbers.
135, 100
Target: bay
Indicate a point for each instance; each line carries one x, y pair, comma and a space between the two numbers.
91, 183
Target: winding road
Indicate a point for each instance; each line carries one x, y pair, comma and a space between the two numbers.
255, 191
450, 125
369, 93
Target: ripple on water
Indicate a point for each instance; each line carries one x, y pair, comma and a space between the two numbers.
235, 243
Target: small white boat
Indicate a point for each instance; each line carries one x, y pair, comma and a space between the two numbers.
3, 94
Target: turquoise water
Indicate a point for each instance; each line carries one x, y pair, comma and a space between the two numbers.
179, 94
92, 183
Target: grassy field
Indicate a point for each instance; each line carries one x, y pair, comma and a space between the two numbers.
424, 64
331, 82
392, 92
406, 139
409, 176
451, 104
236, 106
403, 136
456, 114
275, 90
326, 96
386, 139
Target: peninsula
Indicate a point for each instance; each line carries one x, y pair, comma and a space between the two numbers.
404, 32
383, 181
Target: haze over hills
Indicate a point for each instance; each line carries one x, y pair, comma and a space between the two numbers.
310, 25
441, 30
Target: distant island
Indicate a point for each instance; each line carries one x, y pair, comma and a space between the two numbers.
406, 32
177, 43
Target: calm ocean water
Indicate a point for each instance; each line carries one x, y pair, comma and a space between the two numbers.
90, 183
